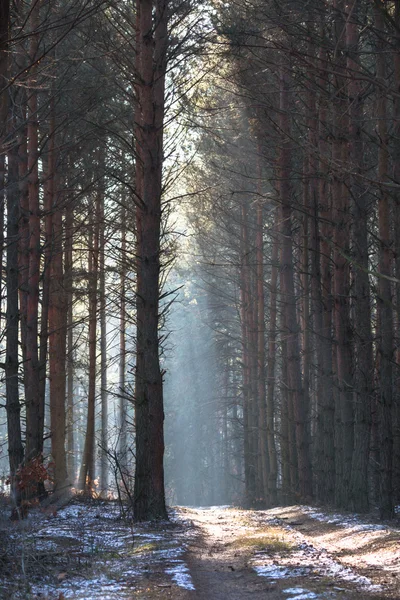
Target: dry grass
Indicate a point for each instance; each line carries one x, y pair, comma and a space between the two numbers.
264, 542
145, 548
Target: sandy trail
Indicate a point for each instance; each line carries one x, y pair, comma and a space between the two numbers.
232, 545
218, 568
88, 552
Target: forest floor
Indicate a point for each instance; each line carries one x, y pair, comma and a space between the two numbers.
89, 551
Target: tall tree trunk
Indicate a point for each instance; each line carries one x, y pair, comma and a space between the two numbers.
149, 495
396, 227
87, 472
15, 448
48, 249
363, 378
2, 209
4, 68
272, 457
122, 348
260, 375
255, 427
247, 361
49, 168
23, 250
288, 432
384, 306
305, 291
68, 278
4, 109
34, 402
57, 348
322, 293
289, 299
103, 349
343, 328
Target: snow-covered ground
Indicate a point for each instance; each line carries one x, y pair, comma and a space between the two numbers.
88, 551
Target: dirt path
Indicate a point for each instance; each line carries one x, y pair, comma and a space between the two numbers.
264, 554
218, 565
88, 551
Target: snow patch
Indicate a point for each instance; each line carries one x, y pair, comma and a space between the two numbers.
169, 552
298, 593
347, 521
334, 569
310, 561
325, 566
181, 576
277, 572
212, 508
101, 588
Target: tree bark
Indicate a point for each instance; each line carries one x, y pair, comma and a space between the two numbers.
149, 495
271, 361
322, 294
260, 331
122, 348
15, 448
23, 250
363, 380
68, 278
247, 361
396, 227
4, 110
103, 346
49, 190
289, 299
87, 472
34, 402
57, 349
343, 329
384, 305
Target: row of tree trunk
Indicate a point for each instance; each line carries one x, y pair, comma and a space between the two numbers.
316, 264
55, 186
